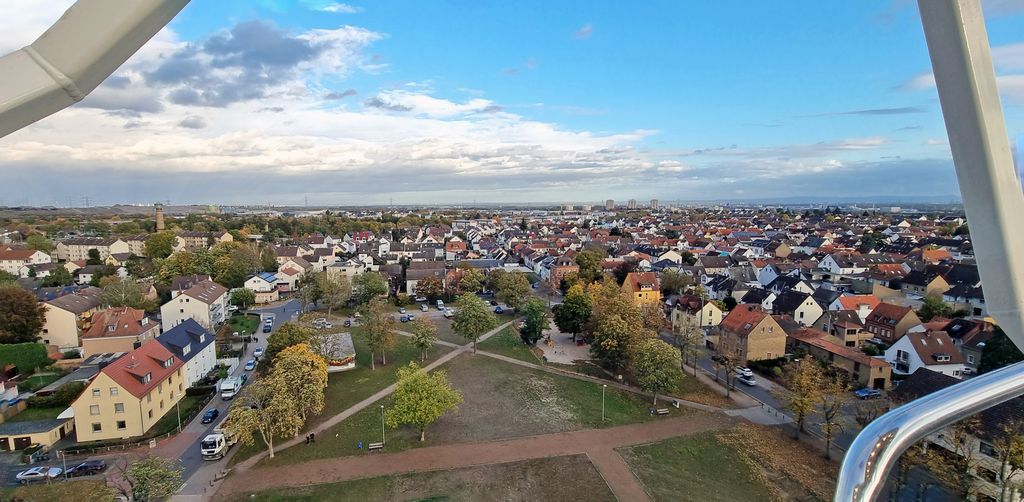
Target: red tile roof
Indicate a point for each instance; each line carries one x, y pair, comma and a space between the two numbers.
743, 318
818, 339
150, 359
118, 321
636, 281
853, 302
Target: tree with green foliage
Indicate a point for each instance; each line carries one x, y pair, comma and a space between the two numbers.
367, 286
729, 303
801, 392
151, 478
182, 263
472, 280
287, 335
94, 257
25, 356
58, 276
243, 297
656, 366
21, 316
430, 287
119, 292
420, 398
672, 282
472, 318
535, 321
590, 263
514, 289
932, 307
305, 375
39, 242
574, 312
622, 270
424, 335
494, 278
379, 329
999, 351
8, 279
689, 258
309, 288
265, 407
335, 289
268, 259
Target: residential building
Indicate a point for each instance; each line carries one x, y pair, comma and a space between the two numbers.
861, 369
78, 248
15, 436
193, 345
748, 333
933, 350
889, 322
265, 286
844, 325
19, 262
560, 268
800, 306
68, 316
643, 287
200, 240
118, 329
691, 310
129, 395
206, 302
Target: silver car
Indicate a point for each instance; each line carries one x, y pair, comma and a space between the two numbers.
38, 474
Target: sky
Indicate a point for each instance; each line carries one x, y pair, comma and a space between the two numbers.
289, 102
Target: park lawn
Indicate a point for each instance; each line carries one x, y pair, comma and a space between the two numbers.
691, 389
70, 491
699, 467
244, 324
29, 414
347, 388
169, 422
38, 381
500, 400
445, 332
507, 343
557, 478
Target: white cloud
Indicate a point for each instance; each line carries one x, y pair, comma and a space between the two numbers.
585, 31
341, 8
1009, 65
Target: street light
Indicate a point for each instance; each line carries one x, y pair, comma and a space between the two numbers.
177, 408
382, 424
64, 458
603, 387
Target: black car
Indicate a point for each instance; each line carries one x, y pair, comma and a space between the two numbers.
494, 303
210, 415
88, 468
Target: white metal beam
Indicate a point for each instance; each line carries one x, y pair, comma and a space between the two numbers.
91, 40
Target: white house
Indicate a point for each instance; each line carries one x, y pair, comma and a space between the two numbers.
265, 286
194, 346
19, 261
933, 350
206, 302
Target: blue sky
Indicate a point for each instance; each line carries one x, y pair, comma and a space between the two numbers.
524, 101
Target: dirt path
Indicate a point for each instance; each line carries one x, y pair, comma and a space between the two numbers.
361, 405
597, 444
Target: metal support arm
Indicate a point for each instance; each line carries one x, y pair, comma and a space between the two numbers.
962, 63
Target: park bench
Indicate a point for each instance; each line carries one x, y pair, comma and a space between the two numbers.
662, 411
375, 446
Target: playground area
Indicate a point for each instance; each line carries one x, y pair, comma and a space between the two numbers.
559, 348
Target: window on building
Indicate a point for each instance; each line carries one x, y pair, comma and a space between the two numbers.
970, 358
987, 449
96, 392
121, 425
113, 391
149, 397
97, 427
161, 404
150, 413
118, 407
94, 409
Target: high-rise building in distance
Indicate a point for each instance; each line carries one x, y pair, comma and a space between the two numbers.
609, 204
631, 204
654, 204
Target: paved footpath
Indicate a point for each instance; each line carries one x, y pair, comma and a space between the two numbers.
598, 444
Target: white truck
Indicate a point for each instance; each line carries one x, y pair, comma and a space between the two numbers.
229, 387
215, 446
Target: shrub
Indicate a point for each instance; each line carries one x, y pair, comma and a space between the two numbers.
25, 356
200, 390
64, 396
403, 300
71, 354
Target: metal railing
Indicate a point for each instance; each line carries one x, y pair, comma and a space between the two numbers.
965, 79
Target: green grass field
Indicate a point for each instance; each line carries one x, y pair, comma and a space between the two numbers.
30, 414
244, 324
500, 400
559, 478
508, 343
347, 388
698, 468
38, 381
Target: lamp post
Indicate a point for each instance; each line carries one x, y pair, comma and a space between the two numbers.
382, 424
177, 408
64, 459
603, 388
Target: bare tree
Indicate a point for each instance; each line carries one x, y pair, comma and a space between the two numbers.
833, 395
687, 337
1009, 446
956, 457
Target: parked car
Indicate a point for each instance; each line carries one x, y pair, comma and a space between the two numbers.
267, 328
494, 303
88, 468
348, 322
407, 318
867, 393
38, 474
748, 380
258, 353
449, 313
243, 377
498, 310
210, 415
744, 372
250, 365
421, 299
424, 308
231, 308
401, 310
